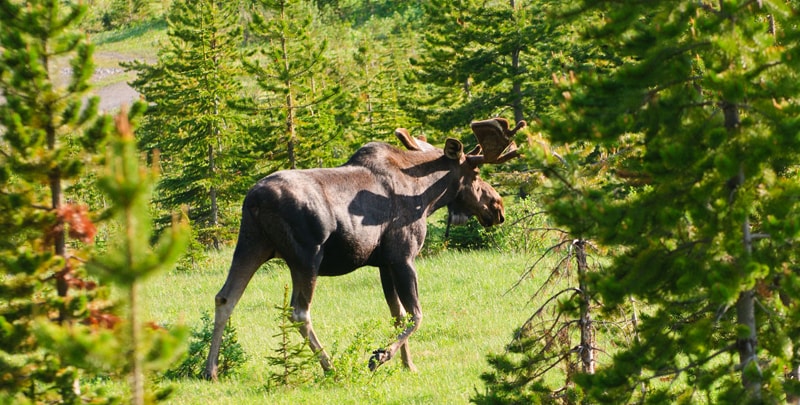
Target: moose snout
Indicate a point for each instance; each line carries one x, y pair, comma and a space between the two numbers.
491, 218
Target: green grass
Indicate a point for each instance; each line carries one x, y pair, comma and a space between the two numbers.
138, 42
139, 39
468, 312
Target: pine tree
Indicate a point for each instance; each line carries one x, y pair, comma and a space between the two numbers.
298, 84
482, 58
42, 118
702, 199
47, 135
378, 82
132, 258
191, 121
291, 358
125, 12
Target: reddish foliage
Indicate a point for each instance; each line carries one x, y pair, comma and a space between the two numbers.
77, 217
73, 280
154, 326
99, 319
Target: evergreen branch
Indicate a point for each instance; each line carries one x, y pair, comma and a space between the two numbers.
530, 269
316, 101
758, 70
548, 301
34, 206
667, 85
555, 360
693, 364
549, 335
553, 273
697, 104
307, 69
767, 310
561, 178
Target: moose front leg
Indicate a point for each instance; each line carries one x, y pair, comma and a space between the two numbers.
403, 280
398, 313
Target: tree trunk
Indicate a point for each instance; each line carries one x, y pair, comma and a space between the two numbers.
745, 306
290, 124
745, 316
59, 236
587, 329
516, 86
290, 130
212, 194
137, 374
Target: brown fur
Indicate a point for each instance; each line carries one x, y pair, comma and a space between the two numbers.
369, 212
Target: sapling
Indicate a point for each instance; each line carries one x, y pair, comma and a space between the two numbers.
131, 257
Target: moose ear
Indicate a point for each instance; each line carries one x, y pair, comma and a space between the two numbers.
419, 143
453, 149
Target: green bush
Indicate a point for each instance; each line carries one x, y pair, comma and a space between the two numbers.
292, 358
231, 354
525, 230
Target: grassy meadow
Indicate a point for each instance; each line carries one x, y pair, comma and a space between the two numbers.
468, 312
469, 308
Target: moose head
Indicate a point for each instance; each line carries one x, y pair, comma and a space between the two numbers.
475, 196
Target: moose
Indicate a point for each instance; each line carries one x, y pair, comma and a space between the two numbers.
371, 211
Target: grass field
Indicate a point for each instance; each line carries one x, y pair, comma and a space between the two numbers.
469, 312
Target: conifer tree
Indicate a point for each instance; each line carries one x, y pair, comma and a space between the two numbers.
298, 85
190, 120
481, 58
702, 200
379, 85
372, 81
47, 135
291, 359
42, 119
125, 12
131, 257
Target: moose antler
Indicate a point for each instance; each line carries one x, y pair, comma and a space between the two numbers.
494, 138
411, 143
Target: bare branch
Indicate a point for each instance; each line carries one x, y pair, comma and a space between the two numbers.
530, 269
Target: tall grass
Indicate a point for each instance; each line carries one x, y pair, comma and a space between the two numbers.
468, 312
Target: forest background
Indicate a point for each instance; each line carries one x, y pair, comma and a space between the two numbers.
663, 141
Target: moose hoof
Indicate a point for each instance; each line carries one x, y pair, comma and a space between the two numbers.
379, 357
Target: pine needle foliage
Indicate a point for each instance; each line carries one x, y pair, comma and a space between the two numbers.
563, 337
190, 91
132, 257
296, 106
54, 321
700, 198
486, 58
231, 354
292, 359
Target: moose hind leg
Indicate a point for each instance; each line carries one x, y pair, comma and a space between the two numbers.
398, 313
302, 293
247, 258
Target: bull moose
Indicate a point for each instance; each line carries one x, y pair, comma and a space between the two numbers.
371, 211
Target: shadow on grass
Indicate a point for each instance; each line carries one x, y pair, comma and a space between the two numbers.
130, 32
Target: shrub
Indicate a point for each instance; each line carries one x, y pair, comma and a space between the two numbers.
231, 354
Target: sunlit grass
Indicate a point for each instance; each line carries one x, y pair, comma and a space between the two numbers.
138, 40
468, 312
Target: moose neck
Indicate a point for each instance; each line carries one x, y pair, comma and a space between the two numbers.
435, 180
